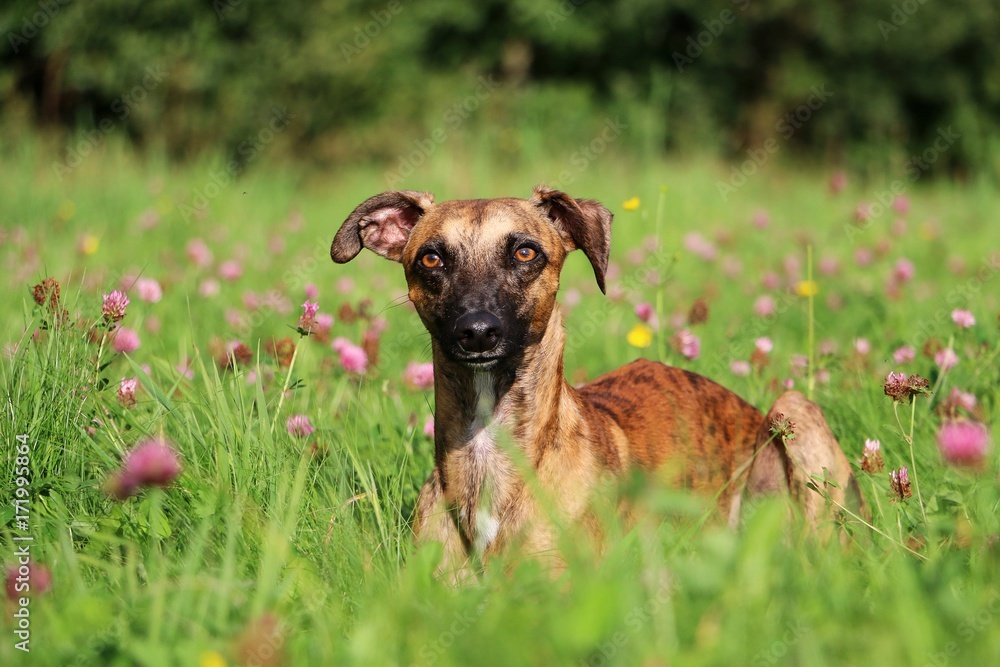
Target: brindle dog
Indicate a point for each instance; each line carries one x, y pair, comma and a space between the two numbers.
483, 276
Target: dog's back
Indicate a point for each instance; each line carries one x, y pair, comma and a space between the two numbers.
698, 431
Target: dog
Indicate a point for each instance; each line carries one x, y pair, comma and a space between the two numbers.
483, 276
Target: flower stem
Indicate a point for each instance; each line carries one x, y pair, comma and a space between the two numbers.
900, 543
909, 441
875, 494
100, 353
811, 382
913, 460
661, 342
288, 380
902, 430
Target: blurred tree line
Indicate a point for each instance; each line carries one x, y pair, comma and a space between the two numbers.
843, 80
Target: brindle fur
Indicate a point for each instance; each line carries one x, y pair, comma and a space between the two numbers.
644, 415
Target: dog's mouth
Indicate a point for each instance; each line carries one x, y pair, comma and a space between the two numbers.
478, 360
481, 364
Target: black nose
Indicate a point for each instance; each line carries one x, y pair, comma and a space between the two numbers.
479, 331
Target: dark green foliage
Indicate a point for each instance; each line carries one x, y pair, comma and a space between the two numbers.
362, 79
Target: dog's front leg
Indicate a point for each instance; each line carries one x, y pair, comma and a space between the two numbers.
434, 523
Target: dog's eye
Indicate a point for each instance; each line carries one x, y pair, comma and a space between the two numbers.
525, 254
431, 260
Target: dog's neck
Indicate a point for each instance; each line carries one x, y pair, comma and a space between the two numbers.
522, 396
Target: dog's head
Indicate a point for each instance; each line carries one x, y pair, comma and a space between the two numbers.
483, 274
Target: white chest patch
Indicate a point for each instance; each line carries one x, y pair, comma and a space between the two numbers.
487, 527
486, 398
482, 444
482, 428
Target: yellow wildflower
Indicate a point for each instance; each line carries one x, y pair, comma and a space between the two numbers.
89, 244
211, 659
640, 336
807, 288
631, 204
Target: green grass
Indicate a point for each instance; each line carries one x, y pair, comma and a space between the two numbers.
264, 547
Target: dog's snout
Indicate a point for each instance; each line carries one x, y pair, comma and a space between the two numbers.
478, 331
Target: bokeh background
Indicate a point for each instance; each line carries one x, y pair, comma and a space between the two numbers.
363, 80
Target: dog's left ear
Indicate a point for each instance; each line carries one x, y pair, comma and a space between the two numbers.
585, 221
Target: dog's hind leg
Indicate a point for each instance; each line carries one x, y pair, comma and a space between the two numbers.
798, 454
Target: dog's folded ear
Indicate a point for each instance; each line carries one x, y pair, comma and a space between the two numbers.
382, 224
586, 222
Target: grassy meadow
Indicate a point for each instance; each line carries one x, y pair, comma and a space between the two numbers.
272, 548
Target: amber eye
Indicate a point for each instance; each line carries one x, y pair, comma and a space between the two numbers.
525, 254
431, 261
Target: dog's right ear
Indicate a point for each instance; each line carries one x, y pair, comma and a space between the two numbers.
382, 224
